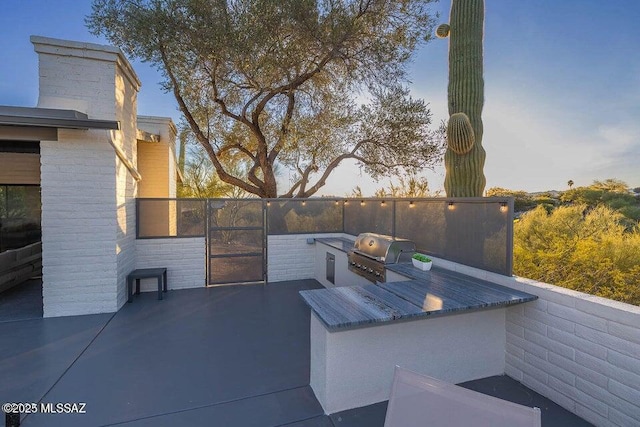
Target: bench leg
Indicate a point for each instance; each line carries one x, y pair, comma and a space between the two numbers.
159, 287
164, 277
137, 286
130, 289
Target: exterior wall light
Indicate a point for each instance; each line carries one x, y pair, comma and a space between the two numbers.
451, 206
411, 204
503, 207
346, 202
383, 203
268, 202
304, 203
337, 202
361, 202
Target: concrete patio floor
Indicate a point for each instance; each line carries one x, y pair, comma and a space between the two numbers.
226, 356
22, 302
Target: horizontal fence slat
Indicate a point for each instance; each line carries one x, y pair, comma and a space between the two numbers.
245, 254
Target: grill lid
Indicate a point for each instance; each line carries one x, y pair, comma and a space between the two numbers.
383, 248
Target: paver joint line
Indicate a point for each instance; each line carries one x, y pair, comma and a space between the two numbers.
73, 362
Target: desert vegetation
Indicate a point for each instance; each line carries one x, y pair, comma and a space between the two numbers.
586, 239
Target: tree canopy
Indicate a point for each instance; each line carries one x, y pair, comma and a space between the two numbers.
266, 83
612, 193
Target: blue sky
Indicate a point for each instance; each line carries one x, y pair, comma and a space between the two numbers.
562, 86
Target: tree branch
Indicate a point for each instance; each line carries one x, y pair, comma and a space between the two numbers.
332, 165
221, 103
237, 147
286, 121
251, 101
204, 141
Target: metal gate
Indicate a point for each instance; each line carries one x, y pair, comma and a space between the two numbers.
236, 241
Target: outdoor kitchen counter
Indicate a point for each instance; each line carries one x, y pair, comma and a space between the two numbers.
339, 243
428, 293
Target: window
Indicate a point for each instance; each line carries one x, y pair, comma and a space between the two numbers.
19, 216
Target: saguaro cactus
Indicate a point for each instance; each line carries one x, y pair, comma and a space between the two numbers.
464, 158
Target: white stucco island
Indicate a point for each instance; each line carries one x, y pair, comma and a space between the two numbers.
439, 323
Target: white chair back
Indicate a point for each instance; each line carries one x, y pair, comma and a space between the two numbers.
418, 400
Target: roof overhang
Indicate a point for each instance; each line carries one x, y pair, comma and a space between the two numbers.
27, 133
51, 118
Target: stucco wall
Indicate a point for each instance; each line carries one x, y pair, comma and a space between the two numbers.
156, 163
343, 277
153, 160
354, 368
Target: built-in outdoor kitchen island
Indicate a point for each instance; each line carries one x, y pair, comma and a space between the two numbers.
440, 323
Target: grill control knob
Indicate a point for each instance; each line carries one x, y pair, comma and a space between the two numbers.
370, 270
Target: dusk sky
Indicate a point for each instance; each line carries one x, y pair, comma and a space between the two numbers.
562, 86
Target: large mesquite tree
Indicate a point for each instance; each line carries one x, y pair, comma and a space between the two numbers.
465, 156
272, 84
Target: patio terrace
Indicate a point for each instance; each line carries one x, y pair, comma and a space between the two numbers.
240, 355
227, 356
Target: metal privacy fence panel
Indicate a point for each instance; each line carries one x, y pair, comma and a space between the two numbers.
473, 231
296, 216
235, 213
240, 269
157, 218
368, 215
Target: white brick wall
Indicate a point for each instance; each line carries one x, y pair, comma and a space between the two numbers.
184, 259
290, 257
88, 216
126, 186
581, 351
78, 224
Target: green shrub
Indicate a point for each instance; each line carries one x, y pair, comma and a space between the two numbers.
591, 251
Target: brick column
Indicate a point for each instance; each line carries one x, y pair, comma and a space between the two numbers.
88, 210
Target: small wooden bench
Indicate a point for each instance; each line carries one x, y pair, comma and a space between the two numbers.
147, 273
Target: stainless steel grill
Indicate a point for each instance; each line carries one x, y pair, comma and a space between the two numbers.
371, 252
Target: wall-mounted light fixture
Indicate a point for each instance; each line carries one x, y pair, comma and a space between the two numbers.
304, 203
383, 203
451, 206
268, 202
361, 202
411, 204
337, 202
504, 207
346, 202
